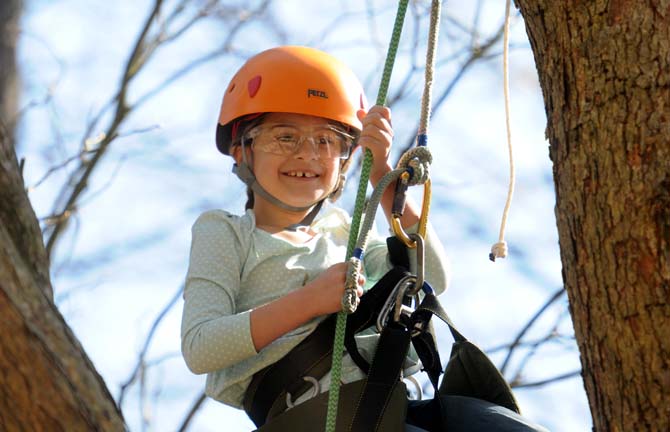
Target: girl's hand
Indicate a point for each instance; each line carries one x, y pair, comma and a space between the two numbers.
377, 135
324, 293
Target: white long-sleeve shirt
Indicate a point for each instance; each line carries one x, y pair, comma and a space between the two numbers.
235, 267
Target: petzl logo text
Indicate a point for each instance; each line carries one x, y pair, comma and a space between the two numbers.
316, 93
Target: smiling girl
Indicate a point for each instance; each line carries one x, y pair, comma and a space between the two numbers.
258, 284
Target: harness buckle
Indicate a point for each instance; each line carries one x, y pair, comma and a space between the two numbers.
403, 312
316, 389
395, 302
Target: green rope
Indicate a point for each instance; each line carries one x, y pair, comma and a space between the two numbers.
338, 345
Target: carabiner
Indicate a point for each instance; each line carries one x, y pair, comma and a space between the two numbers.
423, 221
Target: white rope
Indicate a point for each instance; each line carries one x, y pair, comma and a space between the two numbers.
499, 250
435, 13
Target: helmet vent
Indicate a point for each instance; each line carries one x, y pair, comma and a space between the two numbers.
253, 85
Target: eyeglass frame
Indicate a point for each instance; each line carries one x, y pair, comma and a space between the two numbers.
250, 138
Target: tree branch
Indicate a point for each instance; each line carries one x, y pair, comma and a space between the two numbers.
139, 367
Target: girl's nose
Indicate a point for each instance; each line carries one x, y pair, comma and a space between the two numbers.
307, 149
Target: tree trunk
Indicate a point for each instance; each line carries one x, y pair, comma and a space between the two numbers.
46, 380
604, 69
9, 29
47, 383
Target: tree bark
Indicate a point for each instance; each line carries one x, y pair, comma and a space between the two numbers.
46, 380
604, 69
9, 29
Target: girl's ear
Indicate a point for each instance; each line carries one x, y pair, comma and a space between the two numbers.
236, 153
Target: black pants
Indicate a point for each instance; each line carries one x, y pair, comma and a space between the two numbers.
464, 414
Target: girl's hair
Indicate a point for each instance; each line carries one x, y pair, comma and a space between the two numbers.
250, 199
245, 124
239, 131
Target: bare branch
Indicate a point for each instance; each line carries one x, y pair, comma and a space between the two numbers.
144, 47
191, 413
530, 323
225, 48
565, 339
139, 367
562, 377
476, 53
80, 177
56, 168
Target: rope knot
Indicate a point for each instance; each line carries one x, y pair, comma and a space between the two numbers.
498, 250
417, 161
350, 298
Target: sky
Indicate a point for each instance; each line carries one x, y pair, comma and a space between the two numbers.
125, 254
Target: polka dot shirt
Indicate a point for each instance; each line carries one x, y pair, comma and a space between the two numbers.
235, 267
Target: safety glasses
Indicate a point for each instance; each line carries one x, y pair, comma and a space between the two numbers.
327, 141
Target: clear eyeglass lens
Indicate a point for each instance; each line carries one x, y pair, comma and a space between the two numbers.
327, 142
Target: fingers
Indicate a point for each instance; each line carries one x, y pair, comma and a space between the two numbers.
377, 110
377, 133
378, 119
361, 282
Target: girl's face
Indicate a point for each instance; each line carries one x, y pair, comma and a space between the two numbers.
299, 178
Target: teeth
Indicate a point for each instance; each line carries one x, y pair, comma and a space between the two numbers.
301, 174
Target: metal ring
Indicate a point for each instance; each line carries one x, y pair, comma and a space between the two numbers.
420, 258
419, 390
400, 295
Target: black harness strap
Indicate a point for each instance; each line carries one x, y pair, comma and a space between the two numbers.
390, 355
382, 378
400, 260
310, 357
265, 396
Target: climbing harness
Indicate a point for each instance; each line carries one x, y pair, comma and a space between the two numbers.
378, 402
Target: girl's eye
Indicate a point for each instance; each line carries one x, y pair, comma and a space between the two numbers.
286, 137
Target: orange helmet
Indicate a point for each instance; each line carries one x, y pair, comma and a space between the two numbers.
291, 79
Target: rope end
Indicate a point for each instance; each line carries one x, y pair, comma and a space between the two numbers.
498, 250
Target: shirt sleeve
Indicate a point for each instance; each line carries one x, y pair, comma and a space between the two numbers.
435, 260
214, 336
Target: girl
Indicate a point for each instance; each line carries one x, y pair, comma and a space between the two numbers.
259, 283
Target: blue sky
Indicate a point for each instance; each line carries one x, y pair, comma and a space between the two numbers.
126, 253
